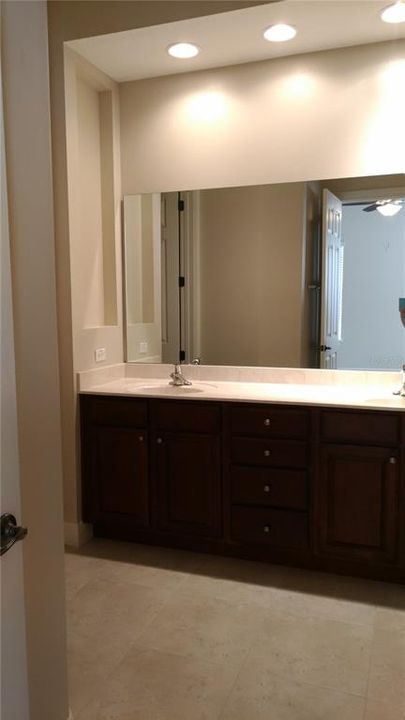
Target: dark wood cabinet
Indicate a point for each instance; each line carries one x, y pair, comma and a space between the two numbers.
359, 503
268, 467
119, 474
115, 460
187, 477
281, 529
322, 488
186, 467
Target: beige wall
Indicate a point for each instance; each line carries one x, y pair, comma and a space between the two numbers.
94, 193
251, 274
94, 236
327, 114
28, 164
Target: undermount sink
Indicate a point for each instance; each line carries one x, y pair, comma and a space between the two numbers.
167, 389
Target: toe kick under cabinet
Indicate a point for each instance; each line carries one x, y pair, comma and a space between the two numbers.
322, 488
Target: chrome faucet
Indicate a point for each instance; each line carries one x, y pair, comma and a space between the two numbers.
401, 391
177, 377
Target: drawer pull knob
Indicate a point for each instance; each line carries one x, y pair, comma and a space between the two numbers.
266, 529
267, 422
392, 461
159, 441
266, 488
267, 453
140, 438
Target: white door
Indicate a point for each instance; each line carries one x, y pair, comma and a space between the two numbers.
14, 687
332, 281
170, 269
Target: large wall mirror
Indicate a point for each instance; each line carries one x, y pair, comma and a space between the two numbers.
304, 274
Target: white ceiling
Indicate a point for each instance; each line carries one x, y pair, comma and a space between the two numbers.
237, 37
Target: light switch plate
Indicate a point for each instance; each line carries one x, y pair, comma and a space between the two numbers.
100, 354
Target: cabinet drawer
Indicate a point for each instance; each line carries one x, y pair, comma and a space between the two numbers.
360, 428
271, 453
266, 486
114, 411
186, 416
270, 421
279, 528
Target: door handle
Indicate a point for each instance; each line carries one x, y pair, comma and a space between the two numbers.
10, 532
324, 348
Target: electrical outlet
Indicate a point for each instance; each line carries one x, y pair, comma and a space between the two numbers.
143, 348
100, 354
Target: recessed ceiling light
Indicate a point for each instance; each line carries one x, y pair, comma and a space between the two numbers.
394, 13
183, 50
279, 33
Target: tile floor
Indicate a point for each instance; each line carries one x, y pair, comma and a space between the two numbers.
157, 634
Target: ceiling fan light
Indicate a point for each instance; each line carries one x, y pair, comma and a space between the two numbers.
394, 13
389, 209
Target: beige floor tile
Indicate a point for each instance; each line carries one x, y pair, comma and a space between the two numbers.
390, 613
140, 564
78, 571
321, 652
103, 619
380, 710
235, 580
160, 634
318, 605
390, 619
257, 695
204, 628
387, 667
87, 679
148, 555
150, 685
272, 587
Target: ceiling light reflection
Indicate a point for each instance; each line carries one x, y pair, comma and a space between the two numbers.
299, 85
207, 107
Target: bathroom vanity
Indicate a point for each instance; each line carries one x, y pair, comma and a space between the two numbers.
314, 485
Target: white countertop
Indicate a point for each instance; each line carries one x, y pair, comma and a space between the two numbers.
361, 396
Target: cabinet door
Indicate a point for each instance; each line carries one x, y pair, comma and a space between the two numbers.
358, 490
119, 474
188, 483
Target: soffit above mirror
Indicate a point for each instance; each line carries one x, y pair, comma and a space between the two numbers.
237, 37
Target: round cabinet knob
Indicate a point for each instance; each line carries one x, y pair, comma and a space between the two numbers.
392, 461
266, 488
267, 422
266, 529
267, 453
159, 441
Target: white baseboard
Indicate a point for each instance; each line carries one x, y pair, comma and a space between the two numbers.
77, 534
